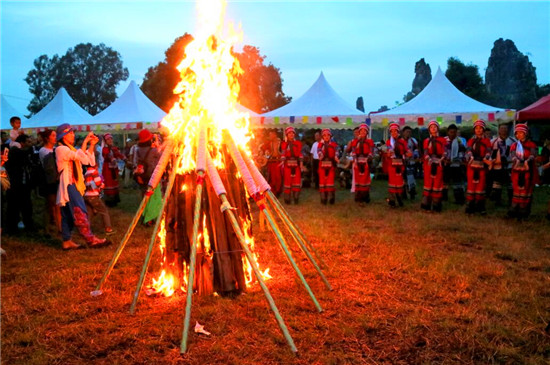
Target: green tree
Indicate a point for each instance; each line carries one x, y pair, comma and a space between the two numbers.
510, 77
89, 73
160, 80
466, 78
423, 76
260, 84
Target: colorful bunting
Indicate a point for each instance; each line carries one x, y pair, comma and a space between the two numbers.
349, 121
439, 120
420, 121
491, 117
458, 119
401, 121
335, 119
276, 120
510, 113
368, 121
475, 117
292, 119
117, 127
262, 120
304, 119
384, 122
319, 120
88, 128
128, 126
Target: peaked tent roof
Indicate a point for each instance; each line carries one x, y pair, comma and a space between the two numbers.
131, 107
539, 110
320, 104
441, 99
7, 111
62, 109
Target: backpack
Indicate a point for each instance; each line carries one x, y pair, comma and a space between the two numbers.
140, 170
49, 165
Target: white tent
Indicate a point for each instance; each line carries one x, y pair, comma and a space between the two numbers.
128, 111
62, 109
318, 107
7, 111
442, 101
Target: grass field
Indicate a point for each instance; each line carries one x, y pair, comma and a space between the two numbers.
409, 287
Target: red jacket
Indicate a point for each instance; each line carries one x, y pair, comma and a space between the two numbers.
292, 150
327, 151
479, 148
362, 147
436, 149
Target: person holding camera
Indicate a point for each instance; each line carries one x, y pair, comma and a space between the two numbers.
72, 187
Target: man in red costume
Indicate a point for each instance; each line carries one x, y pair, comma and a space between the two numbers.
362, 149
328, 158
434, 154
271, 150
396, 153
478, 154
293, 162
523, 153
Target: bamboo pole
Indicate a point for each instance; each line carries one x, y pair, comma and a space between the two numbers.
260, 201
274, 201
303, 243
225, 207
200, 169
145, 267
192, 259
123, 243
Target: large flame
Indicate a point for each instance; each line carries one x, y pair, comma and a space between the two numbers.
208, 93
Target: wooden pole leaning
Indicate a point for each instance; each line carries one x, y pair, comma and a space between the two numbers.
260, 201
153, 181
201, 166
266, 189
226, 208
145, 267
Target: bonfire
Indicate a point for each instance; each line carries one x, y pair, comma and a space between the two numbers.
204, 229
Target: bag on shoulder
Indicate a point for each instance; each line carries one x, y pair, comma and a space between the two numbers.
50, 169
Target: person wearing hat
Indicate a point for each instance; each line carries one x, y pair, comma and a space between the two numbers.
72, 187
146, 157
478, 156
397, 151
293, 163
452, 170
501, 164
434, 155
348, 151
523, 153
328, 158
271, 149
410, 168
362, 150
111, 155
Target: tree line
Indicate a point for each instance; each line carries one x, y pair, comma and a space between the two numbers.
90, 74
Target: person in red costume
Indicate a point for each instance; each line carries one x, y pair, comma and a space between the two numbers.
293, 163
271, 150
328, 159
111, 155
434, 154
396, 153
362, 150
523, 153
478, 154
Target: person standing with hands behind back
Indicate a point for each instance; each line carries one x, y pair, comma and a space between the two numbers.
72, 187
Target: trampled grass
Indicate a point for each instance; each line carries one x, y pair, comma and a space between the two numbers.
409, 287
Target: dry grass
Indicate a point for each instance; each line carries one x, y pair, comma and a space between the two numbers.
409, 287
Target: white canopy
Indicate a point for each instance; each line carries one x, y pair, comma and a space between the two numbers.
442, 101
62, 109
131, 107
318, 107
7, 111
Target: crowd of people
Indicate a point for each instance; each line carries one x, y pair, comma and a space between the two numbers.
77, 179
475, 170
81, 179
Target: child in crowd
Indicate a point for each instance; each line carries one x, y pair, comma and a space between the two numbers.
94, 186
15, 132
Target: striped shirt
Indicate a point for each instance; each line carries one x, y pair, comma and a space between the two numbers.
93, 182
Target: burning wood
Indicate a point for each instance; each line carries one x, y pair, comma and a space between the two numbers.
204, 231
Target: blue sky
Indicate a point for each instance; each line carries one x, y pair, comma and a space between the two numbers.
364, 48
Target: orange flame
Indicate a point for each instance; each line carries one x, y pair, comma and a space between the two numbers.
249, 274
